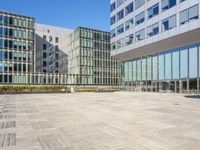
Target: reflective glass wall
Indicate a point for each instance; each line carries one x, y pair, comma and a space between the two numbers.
181, 63
90, 60
16, 47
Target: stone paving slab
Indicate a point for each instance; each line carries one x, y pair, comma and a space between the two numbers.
99, 121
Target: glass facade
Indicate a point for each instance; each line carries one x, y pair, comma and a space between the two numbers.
16, 48
177, 64
89, 58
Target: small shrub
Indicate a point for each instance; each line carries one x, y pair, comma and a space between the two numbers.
32, 88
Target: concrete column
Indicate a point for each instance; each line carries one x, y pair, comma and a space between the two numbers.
198, 85
66, 78
151, 87
47, 79
146, 88
180, 86
38, 82
188, 85
175, 87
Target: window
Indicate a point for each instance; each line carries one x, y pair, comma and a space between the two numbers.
44, 37
24, 34
193, 62
138, 69
112, 20
56, 64
129, 40
24, 67
15, 44
5, 31
113, 46
56, 39
129, 8
1, 30
140, 35
1, 19
1, 43
139, 18
5, 55
112, 7
57, 56
10, 32
139, 3
50, 38
44, 63
1, 55
6, 43
120, 29
120, 15
44, 55
119, 2
168, 66
129, 24
161, 66
10, 20
175, 64
56, 48
19, 67
5, 20
169, 23
149, 68
153, 30
153, 11
24, 23
184, 63
44, 46
30, 35
113, 33
120, 43
10, 44
167, 4
189, 14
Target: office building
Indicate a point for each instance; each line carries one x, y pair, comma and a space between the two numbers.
17, 53
51, 48
52, 53
158, 43
90, 62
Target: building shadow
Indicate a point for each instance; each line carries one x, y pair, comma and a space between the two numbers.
197, 97
62, 58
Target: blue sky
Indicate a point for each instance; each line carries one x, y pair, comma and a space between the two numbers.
63, 13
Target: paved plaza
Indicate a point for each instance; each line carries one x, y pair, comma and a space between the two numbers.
99, 121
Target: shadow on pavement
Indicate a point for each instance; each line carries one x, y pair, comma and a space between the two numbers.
193, 96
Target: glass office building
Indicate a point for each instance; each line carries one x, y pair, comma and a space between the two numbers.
16, 48
90, 62
157, 42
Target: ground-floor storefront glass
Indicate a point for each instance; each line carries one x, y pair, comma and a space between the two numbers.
174, 70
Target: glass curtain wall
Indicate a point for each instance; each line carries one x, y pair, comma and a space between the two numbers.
177, 64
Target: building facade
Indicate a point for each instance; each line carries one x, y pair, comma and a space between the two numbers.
52, 53
17, 53
90, 62
51, 48
157, 42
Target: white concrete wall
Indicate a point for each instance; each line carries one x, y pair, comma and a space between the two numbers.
61, 33
162, 15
